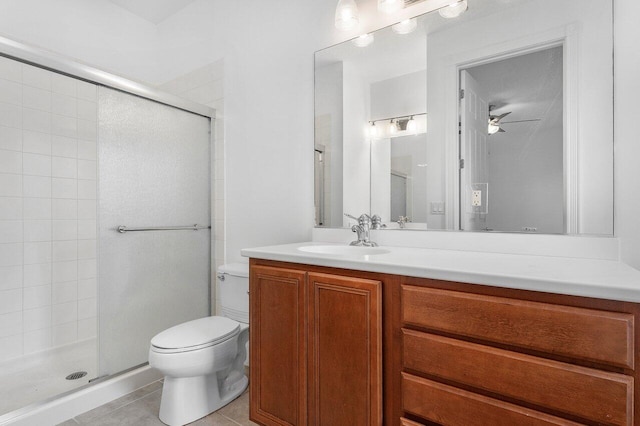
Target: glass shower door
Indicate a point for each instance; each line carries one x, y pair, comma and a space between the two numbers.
154, 171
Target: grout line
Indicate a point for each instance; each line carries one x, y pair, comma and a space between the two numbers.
231, 420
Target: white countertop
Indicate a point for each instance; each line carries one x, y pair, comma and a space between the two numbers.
603, 279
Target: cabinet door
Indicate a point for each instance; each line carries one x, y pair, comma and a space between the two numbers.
277, 346
345, 350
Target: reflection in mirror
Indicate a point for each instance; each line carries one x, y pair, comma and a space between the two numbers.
508, 105
513, 172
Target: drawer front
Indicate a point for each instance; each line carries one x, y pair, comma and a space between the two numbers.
584, 392
447, 405
585, 334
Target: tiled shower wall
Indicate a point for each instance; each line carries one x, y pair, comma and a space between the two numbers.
48, 208
205, 86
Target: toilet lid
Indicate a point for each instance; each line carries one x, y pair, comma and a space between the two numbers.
203, 331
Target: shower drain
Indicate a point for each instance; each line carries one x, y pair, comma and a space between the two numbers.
77, 375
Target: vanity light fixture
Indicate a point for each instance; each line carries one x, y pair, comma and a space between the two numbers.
364, 40
346, 15
405, 27
398, 126
453, 10
412, 126
393, 127
373, 130
390, 6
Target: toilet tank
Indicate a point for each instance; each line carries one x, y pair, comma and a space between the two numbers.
233, 291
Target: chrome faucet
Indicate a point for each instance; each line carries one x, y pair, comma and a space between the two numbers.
362, 230
402, 221
376, 222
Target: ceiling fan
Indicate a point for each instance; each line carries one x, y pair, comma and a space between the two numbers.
495, 121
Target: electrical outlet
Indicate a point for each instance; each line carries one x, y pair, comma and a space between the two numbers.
437, 207
476, 198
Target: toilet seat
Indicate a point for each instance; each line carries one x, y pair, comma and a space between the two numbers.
194, 335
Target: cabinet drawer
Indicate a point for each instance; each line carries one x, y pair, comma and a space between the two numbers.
584, 392
584, 334
447, 405
407, 422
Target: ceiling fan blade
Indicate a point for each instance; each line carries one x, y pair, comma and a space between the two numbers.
501, 116
521, 121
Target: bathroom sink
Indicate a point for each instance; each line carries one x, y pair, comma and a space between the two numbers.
344, 250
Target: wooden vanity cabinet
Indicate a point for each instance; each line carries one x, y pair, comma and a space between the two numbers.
336, 347
479, 355
316, 346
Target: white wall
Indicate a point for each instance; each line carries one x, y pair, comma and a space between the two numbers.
329, 132
356, 144
269, 99
399, 96
526, 182
627, 144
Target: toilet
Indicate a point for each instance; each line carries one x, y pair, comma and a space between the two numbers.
203, 360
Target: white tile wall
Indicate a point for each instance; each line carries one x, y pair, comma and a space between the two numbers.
48, 172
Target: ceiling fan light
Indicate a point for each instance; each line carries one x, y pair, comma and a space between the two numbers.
346, 15
390, 6
405, 27
493, 128
453, 10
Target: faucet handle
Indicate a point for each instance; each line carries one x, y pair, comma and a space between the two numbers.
376, 222
350, 216
364, 219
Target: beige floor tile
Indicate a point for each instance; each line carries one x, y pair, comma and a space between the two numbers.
142, 412
141, 408
90, 416
214, 419
238, 410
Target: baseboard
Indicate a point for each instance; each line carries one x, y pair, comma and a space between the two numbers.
71, 404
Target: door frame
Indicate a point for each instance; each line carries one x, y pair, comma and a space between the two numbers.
451, 66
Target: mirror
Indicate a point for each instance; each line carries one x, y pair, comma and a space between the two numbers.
496, 120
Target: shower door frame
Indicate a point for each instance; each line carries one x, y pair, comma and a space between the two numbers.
52, 62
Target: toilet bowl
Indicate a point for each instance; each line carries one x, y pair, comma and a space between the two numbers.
203, 360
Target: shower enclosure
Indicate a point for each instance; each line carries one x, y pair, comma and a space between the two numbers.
78, 161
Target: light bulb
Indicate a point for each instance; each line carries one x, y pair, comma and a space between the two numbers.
405, 27
493, 128
373, 130
453, 10
364, 40
412, 126
390, 6
393, 127
346, 15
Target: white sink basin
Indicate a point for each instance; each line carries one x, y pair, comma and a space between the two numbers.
344, 250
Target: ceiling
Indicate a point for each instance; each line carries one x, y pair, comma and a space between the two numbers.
529, 86
154, 11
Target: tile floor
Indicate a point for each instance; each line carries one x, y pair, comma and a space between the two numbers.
140, 408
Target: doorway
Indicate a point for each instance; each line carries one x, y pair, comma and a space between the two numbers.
512, 144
